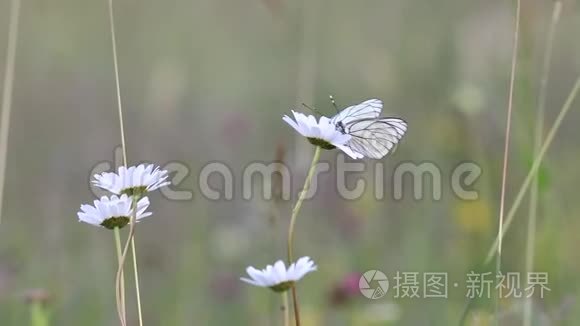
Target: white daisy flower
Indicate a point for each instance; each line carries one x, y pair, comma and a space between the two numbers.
277, 277
113, 212
135, 180
321, 133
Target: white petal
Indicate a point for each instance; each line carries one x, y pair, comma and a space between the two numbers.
250, 281
277, 273
258, 276
291, 122
280, 272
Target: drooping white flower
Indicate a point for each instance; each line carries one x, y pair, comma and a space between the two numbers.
113, 212
321, 133
135, 180
277, 277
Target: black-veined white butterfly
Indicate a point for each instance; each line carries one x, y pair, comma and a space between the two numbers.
372, 136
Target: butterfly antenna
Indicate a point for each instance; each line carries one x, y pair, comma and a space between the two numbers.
333, 103
311, 109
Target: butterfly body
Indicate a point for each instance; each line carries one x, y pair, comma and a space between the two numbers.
340, 127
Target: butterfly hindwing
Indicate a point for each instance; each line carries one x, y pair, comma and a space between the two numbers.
375, 138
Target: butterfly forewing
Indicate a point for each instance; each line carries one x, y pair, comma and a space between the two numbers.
369, 109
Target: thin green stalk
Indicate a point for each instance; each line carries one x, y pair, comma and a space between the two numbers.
508, 124
295, 302
295, 211
7, 92
136, 274
38, 314
506, 147
121, 298
125, 250
124, 148
120, 279
285, 308
527, 182
535, 166
117, 83
539, 130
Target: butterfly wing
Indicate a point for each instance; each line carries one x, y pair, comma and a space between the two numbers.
375, 138
369, 109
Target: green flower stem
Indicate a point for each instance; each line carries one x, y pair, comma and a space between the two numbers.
285, 308
298, 205
136, 274
38, 314
119, 278
136, 197
295, 211
121, 299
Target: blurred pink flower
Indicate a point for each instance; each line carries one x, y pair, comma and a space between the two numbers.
345, 290
234, 128
225, 286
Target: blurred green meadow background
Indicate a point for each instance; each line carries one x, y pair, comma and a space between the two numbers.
209, 81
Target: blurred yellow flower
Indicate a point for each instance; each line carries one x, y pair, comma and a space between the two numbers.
479, 318
378, 314
366, 205
310, 317
473, 216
